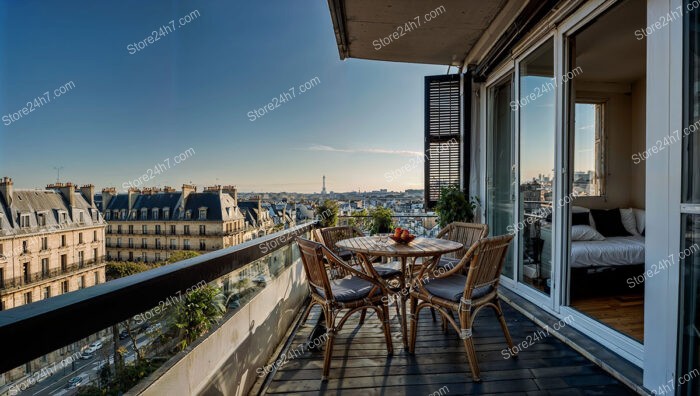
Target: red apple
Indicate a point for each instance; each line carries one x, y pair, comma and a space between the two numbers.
397, 232
405, 235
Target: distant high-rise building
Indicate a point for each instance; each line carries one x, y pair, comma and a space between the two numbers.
323, 190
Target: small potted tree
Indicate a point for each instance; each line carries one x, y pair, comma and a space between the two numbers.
380, 220
327, 213
453, 205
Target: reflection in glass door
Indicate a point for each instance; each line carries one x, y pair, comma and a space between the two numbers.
536, 157
500, 165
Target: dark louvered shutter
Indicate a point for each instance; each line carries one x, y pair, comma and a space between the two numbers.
443, 113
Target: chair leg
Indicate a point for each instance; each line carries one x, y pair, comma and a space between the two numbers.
465, 321
328, 355
362, 317
504, 326
414, 325
307, 312
330, 329
387, 327
432, 313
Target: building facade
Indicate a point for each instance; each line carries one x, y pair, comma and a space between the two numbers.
147, 225
51, 242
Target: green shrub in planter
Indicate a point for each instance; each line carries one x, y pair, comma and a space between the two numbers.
453, 205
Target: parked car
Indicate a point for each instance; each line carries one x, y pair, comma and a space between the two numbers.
261, 280
123, 334
94, 347
77, 381
87, 354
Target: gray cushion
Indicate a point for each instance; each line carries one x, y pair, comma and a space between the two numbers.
388, 270
350, 288
345, 255
452, 288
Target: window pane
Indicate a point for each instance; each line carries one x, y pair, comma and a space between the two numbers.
588, 150
499, 167
690, 306
537, 124
691, 143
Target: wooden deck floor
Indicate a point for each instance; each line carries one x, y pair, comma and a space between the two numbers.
361, 365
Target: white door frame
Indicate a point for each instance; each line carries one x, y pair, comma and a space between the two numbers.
664, 114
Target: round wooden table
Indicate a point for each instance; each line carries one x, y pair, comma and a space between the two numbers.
368, 248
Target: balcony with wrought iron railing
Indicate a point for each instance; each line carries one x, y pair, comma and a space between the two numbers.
16, 282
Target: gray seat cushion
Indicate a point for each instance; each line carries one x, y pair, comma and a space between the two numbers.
346, 255
452, 288
348, 289
388, 270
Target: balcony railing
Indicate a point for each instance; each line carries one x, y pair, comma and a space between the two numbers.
266, 270
425, 225
20, 281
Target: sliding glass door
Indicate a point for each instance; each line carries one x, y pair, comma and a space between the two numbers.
500, 163
536, 111
689, 313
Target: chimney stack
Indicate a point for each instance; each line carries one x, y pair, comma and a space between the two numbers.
6, 190
67, 190
107, 195
88, 192
132, 194
187, 189
232, 191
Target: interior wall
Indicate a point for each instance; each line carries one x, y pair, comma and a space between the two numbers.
624, 120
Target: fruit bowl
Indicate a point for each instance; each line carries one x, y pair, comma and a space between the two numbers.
402, 240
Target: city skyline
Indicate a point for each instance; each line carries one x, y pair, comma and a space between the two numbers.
119, 107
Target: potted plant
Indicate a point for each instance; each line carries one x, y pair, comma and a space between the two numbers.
380, 220
327, 213
453, 205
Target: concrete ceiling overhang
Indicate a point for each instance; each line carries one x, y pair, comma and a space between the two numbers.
383, 29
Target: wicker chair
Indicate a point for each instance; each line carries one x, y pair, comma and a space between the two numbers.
356, 292
389, 272
466, 295
464, 233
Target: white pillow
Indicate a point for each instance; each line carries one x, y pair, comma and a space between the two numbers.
640, 218
585, 233
629, 221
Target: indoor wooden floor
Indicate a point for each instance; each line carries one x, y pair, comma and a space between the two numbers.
361, 366
624, 313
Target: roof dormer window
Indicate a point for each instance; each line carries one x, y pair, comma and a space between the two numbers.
123, 214
155, 213
132, 214
188, 214
166, 213
144, 214
24, 220
108, 215
202, 213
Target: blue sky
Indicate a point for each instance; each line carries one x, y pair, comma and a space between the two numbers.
193, 89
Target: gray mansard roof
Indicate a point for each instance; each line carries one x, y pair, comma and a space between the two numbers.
49, 205
219, 206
